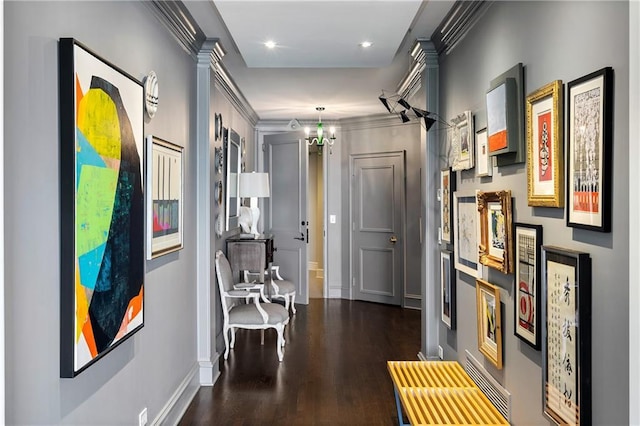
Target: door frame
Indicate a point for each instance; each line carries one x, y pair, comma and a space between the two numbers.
403, 231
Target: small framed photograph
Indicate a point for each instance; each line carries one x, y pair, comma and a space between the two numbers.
447, 290
164, 197
589, 130
566, 345
545, 142
447, 188
484, 163
489, 322
528, 240
496, 230
465, 233
461, 141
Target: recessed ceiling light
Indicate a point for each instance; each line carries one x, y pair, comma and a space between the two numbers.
366, 44
270, 44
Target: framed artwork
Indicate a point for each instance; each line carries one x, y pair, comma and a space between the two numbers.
447, 290
465, 234
164, 196
545, 164
461, 134
528, 240
505, 117
484, 163
447, 187
489, 322
566, 345
102, 206
589, 147
496, 230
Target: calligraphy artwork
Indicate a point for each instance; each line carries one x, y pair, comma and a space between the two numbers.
567, 341
589, 151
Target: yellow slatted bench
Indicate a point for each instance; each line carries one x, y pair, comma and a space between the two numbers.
440, 393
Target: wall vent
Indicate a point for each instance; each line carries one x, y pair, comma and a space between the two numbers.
498, 395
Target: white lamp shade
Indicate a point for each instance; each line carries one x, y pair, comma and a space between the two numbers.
254, 185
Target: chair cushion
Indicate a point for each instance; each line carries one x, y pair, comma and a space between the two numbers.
248, 314
285, 286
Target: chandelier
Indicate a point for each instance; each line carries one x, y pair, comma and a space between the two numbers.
320, 139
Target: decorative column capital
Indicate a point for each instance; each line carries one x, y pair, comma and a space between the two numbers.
210, 53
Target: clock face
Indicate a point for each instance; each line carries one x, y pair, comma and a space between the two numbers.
151, 94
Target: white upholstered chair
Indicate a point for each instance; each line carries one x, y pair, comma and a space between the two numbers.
253, 315
280, 288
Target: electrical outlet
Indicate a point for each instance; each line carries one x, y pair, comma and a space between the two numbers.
440, 352
142, 417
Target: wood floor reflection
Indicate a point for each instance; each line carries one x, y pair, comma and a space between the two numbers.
334, 370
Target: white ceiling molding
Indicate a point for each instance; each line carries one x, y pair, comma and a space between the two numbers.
412, 80
374, 121
180, 23
460, 19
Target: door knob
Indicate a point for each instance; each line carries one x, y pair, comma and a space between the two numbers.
393, 239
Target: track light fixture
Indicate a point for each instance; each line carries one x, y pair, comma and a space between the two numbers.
391, 103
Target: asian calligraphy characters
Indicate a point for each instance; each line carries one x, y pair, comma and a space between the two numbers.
561, 341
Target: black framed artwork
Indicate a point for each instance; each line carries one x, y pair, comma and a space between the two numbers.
102, 206
589, 151
527, 244
566, 345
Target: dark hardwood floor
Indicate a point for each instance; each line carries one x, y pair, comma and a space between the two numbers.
334, 370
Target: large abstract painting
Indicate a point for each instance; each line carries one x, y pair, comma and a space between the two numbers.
102, 206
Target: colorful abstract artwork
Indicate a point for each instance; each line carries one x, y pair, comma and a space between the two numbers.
102, 218
164, 197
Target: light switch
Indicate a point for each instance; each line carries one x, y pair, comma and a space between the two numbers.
332, 218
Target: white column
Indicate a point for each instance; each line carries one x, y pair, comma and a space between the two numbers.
634, 206
429, 150
210, 53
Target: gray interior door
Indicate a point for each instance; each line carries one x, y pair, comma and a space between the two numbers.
377, 232
286, 160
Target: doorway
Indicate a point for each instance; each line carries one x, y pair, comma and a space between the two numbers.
315, 200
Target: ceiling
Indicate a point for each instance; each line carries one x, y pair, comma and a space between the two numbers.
318, 59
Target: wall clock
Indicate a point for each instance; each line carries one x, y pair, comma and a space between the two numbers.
151, 94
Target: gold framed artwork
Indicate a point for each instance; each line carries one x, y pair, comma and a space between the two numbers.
545, 163
489, 322
496, 230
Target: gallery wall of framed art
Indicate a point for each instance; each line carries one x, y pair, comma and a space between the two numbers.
572, 154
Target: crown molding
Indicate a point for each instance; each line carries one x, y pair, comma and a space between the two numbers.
180, 23
458, 22
177, 19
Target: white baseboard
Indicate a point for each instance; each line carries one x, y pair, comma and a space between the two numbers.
335, 293
177, 405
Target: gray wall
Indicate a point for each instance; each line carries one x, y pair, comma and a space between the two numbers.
554, 40
145, 370
382, 134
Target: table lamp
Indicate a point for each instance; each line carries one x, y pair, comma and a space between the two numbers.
252, 185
